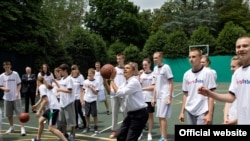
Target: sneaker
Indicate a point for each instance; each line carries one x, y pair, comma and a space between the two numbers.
10, 130
140, 136
149, 137
96, 129
72, 138
113, 135
66, 135
86, 130
23, 133
161, 139
34, 139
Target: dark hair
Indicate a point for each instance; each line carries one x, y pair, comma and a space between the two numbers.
64, 67
42, 81
48, 70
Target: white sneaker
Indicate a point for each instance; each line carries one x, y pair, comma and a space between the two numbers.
140, 137
10, 130
23, 133
149, 137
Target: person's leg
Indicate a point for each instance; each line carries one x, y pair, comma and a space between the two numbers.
137, 123
123, 131
80, 112
52, 122
115, 112
76, 112
40, 127
70, 117
33, 99
26, 101
18, 110
8, 110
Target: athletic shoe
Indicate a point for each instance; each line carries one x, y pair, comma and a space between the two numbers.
86, 130
149, 137
96, 129
34, 139
10, 130
23, 133
113, 135
162, 139
140, 136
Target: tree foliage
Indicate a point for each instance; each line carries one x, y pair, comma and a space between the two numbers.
177, 45
202, 36
225, 43
116, 20
155, 42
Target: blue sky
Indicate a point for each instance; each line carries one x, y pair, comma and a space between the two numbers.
148, 4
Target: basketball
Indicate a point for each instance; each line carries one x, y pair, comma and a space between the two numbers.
24, 117
107, 70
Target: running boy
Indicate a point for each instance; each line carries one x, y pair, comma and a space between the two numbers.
47, 99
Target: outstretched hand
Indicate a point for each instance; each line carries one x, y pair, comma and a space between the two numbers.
203, 91
113, 74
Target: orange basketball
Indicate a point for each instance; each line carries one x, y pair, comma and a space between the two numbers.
24, 117
107, 70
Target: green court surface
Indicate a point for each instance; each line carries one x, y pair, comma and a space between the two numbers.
105, 122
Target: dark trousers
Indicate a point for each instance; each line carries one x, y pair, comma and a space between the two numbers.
133, 125
78, 110
29, 97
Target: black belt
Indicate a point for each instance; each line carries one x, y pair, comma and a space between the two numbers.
138, 111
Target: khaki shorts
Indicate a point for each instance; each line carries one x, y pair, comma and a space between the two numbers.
10, 106
67, 115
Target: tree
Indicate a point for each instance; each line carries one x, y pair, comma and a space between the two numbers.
116, 20
225, 43
177, 45
235, 11
202, 36
65, 14
132, 54
155, 42
26, 29
115, 48
81, 47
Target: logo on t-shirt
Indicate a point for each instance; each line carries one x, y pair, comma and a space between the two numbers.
195, 81
243, 81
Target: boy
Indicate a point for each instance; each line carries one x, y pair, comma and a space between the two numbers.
89, 98
10, 83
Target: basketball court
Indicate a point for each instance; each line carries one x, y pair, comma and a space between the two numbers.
105, 122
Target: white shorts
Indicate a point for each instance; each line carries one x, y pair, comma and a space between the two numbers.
163, 110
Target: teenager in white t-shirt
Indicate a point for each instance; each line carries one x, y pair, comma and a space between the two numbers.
240, 83
49, 102
116, 102
10, 83
198, 109
46, 73
230, 113
146, 80
67, 112
163, 92
102, 92
78, 81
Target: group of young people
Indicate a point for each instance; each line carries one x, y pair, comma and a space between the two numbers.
136, 94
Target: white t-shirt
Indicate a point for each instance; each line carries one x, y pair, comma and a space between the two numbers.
52, 100
99, 79
66, 98
77, 85
89, 96
197, 104
10, 81
47, 78
240, 86
146, 79
161, 79
119, 79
